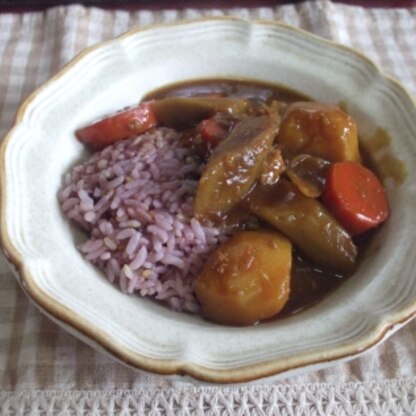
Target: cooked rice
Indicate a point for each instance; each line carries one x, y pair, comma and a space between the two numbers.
135, 200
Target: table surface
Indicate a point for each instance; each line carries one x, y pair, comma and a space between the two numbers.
44, 370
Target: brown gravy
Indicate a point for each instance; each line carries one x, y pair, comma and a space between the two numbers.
376, 151
229, 88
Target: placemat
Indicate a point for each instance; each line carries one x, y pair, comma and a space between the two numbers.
45, 371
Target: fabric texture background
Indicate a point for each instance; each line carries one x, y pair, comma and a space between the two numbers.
44, 370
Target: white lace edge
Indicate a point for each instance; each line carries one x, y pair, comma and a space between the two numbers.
388, 397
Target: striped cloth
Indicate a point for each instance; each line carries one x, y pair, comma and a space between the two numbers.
44, 370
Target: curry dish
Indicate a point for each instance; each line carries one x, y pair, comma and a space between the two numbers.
281, 175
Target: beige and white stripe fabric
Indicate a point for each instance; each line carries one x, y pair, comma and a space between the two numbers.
45, 371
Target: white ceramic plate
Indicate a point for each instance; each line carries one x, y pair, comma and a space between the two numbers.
39, 241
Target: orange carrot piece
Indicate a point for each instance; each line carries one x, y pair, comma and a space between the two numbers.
212, 132
119, 126
355, 196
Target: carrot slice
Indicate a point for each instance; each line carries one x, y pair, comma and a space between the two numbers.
119, 126
355, 196
212, 132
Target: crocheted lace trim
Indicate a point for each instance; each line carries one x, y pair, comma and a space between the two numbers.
393, 397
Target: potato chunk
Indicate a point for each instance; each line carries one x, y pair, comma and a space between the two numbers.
246, 279
234, 166
319, 130
307, 223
